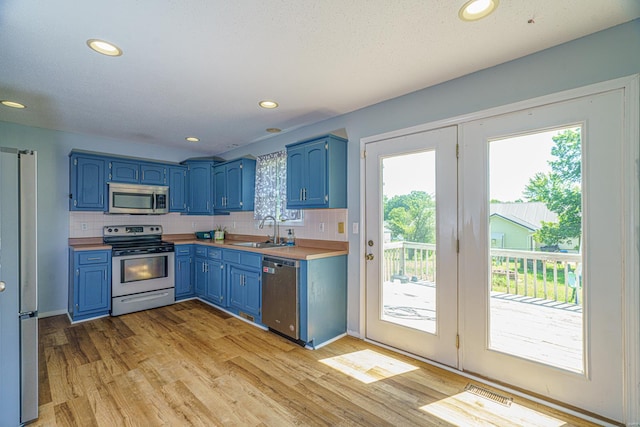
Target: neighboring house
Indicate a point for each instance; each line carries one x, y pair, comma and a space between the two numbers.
513, 225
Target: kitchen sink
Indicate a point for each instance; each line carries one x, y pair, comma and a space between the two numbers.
259, 245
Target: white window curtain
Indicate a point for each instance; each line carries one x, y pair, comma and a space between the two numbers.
271, 188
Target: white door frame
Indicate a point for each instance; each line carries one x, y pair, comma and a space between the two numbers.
631, 292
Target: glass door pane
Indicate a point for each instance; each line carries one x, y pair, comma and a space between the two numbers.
409, 268
535, 261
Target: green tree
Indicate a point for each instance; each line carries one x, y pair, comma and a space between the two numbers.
411, 217
560, 189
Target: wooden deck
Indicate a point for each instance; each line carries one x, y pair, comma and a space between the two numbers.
545, 331
192, 365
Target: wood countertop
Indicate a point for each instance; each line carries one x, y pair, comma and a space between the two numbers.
305, 249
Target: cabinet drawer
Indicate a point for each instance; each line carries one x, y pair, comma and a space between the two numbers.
183, 250
245, 259
201, 251
215, 253
92, 257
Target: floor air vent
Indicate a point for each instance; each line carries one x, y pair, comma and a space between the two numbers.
488, 394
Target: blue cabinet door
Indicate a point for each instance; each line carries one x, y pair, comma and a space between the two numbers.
87, 184
125, 171
215, 282
183, 277
153, 174
200, 177
220, 187
245, 290
253, 292
315, 179
234, 183
177, 189
200, 276
295, 176
93, 293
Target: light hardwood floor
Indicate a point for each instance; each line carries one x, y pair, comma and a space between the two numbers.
191, 364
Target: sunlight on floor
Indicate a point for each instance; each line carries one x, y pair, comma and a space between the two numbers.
466, 409
368, 366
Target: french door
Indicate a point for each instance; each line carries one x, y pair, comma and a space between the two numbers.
570, 346
535, 295
411, 243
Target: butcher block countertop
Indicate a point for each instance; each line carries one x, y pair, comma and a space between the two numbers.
305, 249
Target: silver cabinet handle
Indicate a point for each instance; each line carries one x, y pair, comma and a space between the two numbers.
3, 286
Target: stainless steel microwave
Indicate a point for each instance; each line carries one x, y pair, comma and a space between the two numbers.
138, 199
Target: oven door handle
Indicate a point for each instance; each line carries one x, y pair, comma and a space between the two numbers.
155, 201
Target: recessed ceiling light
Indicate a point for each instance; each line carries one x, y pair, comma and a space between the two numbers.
12, 104
192, 139
477, 9
104, 47
274, 130
268, 104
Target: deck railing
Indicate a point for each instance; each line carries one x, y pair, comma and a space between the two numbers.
551, 276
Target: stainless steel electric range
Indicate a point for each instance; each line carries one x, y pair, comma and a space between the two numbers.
142, 268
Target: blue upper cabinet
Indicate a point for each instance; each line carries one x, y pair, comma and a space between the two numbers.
137, 173
153, 174
177, 189
234, 185
124, 171
200, 187
317, 173
87, 183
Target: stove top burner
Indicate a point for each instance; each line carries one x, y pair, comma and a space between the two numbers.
135, 239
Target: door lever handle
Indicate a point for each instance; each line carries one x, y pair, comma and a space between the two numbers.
3, 286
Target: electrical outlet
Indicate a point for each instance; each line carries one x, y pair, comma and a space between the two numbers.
321, 228
84, 226
356, 228
234, 225
193, 225
341, 227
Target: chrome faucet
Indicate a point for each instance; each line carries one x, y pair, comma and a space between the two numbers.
276, 234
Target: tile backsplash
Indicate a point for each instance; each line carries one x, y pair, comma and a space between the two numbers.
320, 224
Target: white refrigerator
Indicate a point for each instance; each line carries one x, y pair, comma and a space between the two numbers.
18, 287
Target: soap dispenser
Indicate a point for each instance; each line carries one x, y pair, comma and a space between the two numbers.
291, 239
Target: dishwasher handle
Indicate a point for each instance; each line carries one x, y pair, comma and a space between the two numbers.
272, 262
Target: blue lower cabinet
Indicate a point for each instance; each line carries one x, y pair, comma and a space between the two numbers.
209, 275
323, 299
200, 276
215, 290
244, 280
245, 291
184, 272
89, 284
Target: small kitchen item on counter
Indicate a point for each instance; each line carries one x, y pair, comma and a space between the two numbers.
203, 235
291, 238
218, 233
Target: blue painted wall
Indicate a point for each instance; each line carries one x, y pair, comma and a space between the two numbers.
599, 57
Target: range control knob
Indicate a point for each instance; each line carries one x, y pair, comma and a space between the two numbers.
116, 230
109, 230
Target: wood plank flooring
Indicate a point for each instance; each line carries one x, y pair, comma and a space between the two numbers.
191, 364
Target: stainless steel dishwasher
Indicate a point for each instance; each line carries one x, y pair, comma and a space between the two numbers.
280, 306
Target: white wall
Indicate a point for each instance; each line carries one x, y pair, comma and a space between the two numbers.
603, 56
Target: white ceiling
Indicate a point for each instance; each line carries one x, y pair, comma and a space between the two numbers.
199, 67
